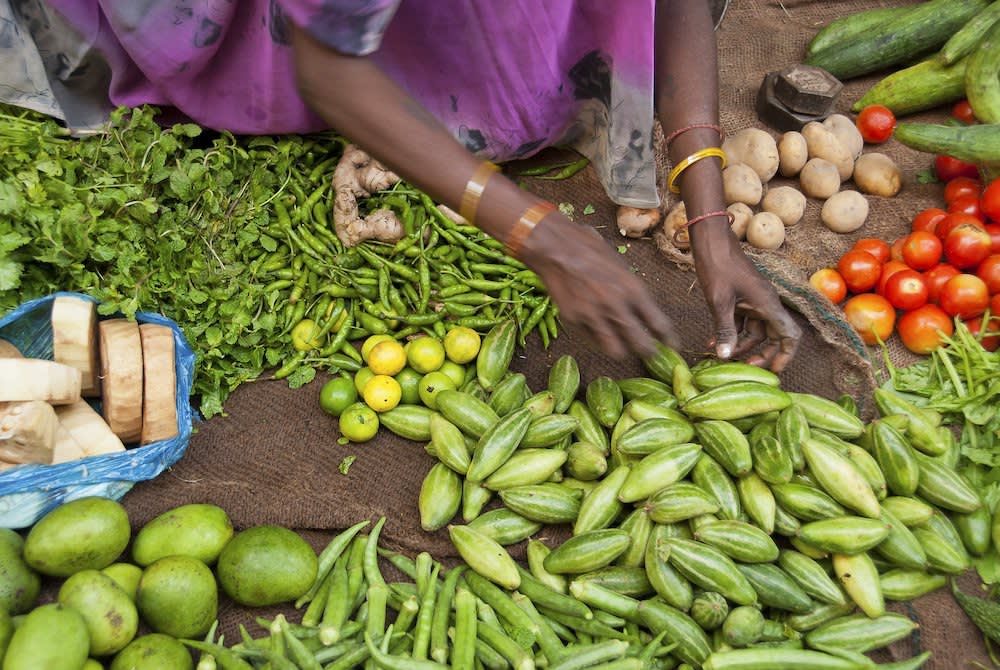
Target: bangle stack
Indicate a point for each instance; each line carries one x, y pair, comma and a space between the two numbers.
710, 152
474, 190
525, 224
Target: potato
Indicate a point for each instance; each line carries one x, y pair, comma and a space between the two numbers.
753, 147
676, 218
824, 144
787, 202
819, 178
765, 231
793, 152
636, 221
741, 218
742, 184
844, 212
847, 132
877, 174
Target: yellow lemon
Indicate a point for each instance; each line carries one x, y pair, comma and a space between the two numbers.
387, 358
461, 344
425, 354
370, 343
382, 393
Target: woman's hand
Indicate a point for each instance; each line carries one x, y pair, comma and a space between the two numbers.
594, 289
746, 309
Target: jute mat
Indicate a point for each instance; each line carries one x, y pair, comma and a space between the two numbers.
273, 459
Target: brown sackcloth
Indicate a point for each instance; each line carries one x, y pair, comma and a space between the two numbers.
274, 458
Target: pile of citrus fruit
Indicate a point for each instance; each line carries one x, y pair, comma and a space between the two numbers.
411, 373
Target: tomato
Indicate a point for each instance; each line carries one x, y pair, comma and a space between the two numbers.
889, 269
963, 112
953, 220
877, 248
966, 204
922, 250
947, 168
860, 270
964, 296
990, 200
876, 123
994, 230
990, 342
829, 282
906, 289
960, 187
995, 305
937, 277
871, 315
923, 330
927, 219
989, 271
967, 246
896, 249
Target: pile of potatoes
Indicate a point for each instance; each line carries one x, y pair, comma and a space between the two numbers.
822, 157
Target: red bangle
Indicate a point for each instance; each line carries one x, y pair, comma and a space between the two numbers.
680, 131
690, 222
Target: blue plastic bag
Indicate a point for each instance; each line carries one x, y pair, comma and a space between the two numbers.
28, 492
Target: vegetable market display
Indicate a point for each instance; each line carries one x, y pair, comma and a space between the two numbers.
232, 238
715, 521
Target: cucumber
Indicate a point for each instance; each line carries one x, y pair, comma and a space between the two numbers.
846, 28
965, 40
922, 30
982, 85
924, 85
978, 143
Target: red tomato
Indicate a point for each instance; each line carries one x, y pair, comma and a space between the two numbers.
888, 269
964, 296
876, 247
871, 315
906, 289
927, 219
994, 230
922, 250
937, 277
896, 249
989, 272
953, 220
966, 204
876, 123
995, 305
860, 270
990, 342
966, 246
829, 282
922, 329
963, 112
962, 186
947, 168
990, 200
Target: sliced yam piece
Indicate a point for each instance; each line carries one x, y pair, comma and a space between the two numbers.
38, 379
8, 350
121, 377
159, 400
74, 340
28, 432
66, 447
90, 431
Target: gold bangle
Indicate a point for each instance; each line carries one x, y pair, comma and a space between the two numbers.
474, 190
525, 224
709, 152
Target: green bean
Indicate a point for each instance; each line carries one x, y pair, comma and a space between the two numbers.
341, 337
550, 321
548, 641
486, 284
277, 285
536, 316
496, 638
390, 662
478, 323
370, 564
355, 570
317, 603
543, 333
378, 596
335, 651
422, 632
537, 170
407, 614
328, 557
592, 627
472, 298
569, 170
457, 309
401, 562
290, 366
338, 603
464, 649
422, 571
489, 657
498, 599
442, 614
453, 290
297, 651
351, 660
226, 658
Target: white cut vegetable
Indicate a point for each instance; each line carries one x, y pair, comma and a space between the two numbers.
159, 400
38, 379
66, 447
89, 429
74, 340
28, 432
121, 372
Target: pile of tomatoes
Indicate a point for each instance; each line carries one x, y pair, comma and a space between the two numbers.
947, 267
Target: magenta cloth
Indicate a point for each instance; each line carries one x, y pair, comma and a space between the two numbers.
507, 78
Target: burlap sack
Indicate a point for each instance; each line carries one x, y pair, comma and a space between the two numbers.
274, 458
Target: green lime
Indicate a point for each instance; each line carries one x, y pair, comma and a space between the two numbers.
433, 383
337, 395
359, 422
425, 354
454, 371
409, 384
462, 344
305, 335
362, 377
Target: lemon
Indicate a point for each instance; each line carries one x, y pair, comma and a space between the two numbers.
370, 343
304, 335
409, 383
387, 358
382, 393
425, 354
454, 371
359, 422
337, 395
433, 383
461, 344
361, 378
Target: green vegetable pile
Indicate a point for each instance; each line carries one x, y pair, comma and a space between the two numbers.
231, 238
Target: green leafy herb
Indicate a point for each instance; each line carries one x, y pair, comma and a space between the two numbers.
622, 249
588, 210
345, 464
927, 176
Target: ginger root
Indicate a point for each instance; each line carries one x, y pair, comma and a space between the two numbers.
359, 175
